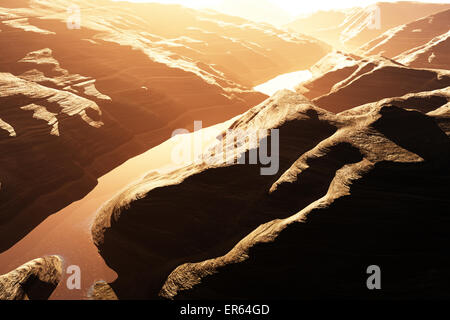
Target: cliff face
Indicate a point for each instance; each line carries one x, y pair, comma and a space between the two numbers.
361, 25
354, 189
343, 81
423, 43
34, 280
75, 103
408, 36
433, 54
349, 171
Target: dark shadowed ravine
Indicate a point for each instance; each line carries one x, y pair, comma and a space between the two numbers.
67, 233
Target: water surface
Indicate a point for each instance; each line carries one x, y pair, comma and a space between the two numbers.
285, 81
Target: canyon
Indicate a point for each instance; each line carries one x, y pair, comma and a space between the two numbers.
92, 98
87, 174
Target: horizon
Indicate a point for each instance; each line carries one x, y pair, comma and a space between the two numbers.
292, 8
277, 13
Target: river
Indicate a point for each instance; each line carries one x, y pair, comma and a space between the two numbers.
67, 233
284, 81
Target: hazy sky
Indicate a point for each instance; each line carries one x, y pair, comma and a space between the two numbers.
292, 7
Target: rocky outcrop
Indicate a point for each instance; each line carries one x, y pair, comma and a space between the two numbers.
76, 103
34, 280
355, 189
361, 25
383, 210
343, 81
102, 291
423, 43
433, 54
409, 36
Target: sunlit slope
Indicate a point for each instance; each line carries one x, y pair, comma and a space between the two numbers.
75, 103
353, 28
35, 280
433, 54
420, 44
343, 81
353, 189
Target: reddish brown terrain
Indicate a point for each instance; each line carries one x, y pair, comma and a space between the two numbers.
353, 28
409, 36
433, 54
343, 81
369, 184
87, 172
423, 43
77, 103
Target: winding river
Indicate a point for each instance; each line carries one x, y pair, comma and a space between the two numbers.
67, 232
